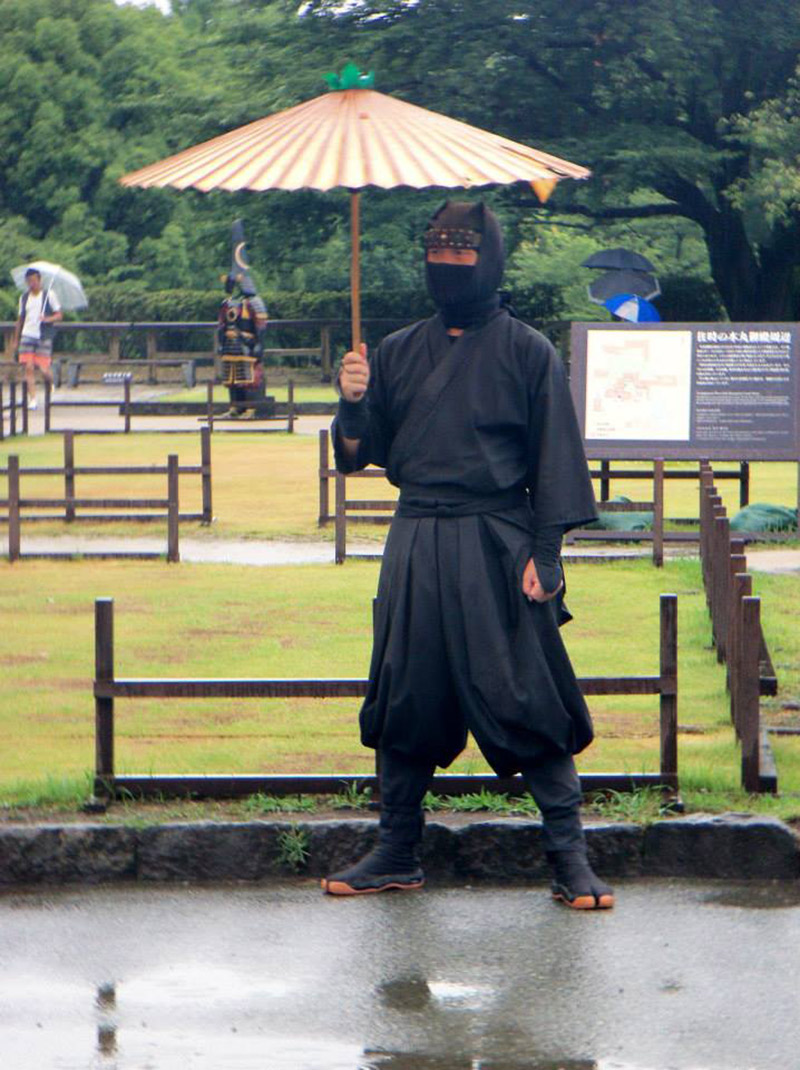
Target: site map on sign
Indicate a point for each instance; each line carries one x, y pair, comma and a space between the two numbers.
638, 385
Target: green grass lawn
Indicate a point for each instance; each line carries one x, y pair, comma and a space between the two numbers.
193, 620
266, 486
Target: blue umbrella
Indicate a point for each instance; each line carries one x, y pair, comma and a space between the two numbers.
633, 308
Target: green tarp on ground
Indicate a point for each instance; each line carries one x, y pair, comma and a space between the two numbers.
621, 521
764, 517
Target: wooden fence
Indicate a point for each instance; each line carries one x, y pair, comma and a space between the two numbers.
737, 635
16, 407
70, 504
108, 687
379, 510
288, 419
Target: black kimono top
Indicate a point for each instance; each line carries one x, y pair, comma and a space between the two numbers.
479, 418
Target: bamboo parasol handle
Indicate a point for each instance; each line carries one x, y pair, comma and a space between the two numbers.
355, 271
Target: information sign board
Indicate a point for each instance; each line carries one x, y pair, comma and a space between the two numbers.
687, 390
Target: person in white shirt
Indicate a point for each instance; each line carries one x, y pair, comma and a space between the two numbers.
34, 329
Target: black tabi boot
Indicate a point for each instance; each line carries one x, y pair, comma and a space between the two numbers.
392, 865
576, 884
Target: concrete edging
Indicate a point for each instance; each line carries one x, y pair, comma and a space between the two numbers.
730, 846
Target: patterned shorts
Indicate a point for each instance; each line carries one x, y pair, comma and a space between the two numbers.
36, 351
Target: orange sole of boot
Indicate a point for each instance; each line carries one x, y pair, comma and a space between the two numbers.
342, 888
587, 902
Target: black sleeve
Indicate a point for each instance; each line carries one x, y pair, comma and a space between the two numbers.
558, 480
546, 554
365, 420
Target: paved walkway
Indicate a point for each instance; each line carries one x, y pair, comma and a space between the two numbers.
276, 552
99, 419
243, 978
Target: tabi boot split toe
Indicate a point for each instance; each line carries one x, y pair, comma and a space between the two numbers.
576, 884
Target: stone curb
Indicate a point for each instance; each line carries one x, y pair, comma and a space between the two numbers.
730, 846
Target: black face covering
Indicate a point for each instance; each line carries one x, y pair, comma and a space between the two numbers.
465, 294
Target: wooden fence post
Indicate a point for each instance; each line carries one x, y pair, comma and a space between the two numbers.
721, 581
2, 414
205, 464
715, 510
126, 403
12, 409
290, 423
744, 484
48, 391
742, 588
668, 702
658, 512
69, 476
605, 480
737, 565
103, 704
749, 692
340, 552
151, 343
324, 479
173, 551
325, 354
13, 508
210, 404
24, 406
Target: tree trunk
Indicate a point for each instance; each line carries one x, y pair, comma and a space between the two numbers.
754, 288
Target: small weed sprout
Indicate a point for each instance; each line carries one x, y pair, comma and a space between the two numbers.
293, 846
352, 797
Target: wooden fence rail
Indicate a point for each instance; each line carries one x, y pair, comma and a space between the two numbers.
375, 510
737, 635
108, 687
289, 419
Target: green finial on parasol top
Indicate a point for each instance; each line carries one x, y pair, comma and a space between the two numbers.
350, 78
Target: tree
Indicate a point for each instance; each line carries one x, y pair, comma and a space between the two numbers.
672, 100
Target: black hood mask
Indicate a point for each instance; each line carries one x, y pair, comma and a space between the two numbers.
465, 295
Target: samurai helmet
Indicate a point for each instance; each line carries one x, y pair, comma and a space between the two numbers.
239, 274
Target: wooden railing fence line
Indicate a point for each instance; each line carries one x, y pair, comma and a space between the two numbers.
737, 634
70, 506
108, 687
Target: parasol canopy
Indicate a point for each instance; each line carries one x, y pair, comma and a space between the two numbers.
354, 137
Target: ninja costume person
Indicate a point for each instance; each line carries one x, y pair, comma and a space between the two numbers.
242, 323
470, 413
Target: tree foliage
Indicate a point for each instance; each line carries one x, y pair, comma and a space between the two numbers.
687, 113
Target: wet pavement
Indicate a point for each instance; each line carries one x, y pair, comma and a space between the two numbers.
238, 551
681, 976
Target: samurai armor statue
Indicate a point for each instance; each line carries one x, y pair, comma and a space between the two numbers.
242, 323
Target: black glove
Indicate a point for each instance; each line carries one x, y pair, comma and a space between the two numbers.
546, 554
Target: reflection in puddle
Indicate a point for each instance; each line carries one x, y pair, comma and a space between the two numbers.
106, 999
107, 1038
452, 992
399, 1060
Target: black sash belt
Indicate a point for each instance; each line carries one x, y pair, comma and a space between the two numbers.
418, 502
